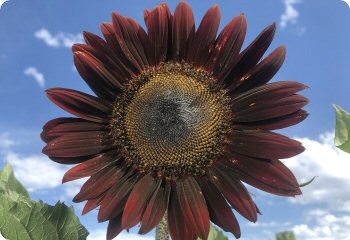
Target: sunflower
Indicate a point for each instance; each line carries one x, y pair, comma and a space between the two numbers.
181, 118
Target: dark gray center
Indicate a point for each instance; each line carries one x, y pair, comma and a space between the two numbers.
170, 118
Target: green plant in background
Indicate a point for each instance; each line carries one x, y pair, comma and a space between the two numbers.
25, 219
287, 235
342, 129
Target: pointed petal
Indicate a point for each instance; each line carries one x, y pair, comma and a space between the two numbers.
223, 215
251, 55
227, 47
274, 123
183, 29
105, 54
277, 89
114, 227
158, 22
261, 73
138, 199
235, 192
264, 144
117, 196
91, 166
126, 34
200, 45
177, 223
270, 176
80, 104
99, 183
77, 144
193, 205
102, 77
271, 109
116, 45
71, 160
148, 47
156, 208
92, 204
60, 126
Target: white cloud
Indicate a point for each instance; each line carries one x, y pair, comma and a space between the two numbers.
60, 39
38, 76
323, 225
330, 165
290, 14
6, 141
101, 235
36, 172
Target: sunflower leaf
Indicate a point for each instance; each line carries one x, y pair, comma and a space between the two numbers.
287, 235
25, 219
342, 129
216, 234
9, 185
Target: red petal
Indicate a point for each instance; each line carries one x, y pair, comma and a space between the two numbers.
92, 203
227, 47
264, 144
99, 183
274, 123
104, 78
199, 46
252, 54
158, 22
114, 227
76, 144
126, 34
80, 104
61, 126
156, 208
138, 199
92, 166
183, 29
124, 61
116, 197
270, 176
220, 212
261, 73
273, 107
106, 56
193, 205
235, 192
146, 43
177, 222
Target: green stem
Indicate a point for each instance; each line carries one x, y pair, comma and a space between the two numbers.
162, 229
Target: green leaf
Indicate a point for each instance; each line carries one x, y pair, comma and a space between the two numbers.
9, 185
287, 235
216, 234
342, 129
25, 219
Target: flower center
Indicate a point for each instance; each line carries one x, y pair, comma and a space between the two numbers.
174, 121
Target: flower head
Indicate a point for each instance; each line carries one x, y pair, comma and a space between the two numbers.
180, 119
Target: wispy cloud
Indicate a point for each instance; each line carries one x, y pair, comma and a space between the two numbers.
35, 171
6, 141
60, 39
38, 76
291, 14
330, 165
323, 225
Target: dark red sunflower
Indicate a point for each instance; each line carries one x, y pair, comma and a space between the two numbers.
180, 119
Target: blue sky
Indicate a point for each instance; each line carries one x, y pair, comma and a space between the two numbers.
35, 41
